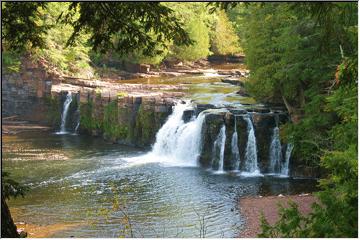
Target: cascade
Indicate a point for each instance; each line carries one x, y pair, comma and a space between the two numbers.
275, 152
285, 165
234, 147
77, 126
178, 142
251, 167
219, 148
78, 120
67, 103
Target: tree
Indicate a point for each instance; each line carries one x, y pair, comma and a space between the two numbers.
224, 39
137, 22
306, 56
9, 188
20, 25
199, 33
197, 22
337, 213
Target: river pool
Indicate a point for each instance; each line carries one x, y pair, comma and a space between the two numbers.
85, 181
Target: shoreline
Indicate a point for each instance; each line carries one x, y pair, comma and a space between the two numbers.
252, 207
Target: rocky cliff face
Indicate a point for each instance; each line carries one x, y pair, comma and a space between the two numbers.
24, 92
132, 114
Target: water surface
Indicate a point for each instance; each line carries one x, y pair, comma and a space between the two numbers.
77, 179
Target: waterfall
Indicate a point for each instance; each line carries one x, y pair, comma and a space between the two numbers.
285, 165
177, 142
67, 103
219, 148
275, 152
234, 147
251, 167
77, 126
77, 119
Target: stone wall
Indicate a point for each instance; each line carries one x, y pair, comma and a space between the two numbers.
24, 93
130, 120
264, 122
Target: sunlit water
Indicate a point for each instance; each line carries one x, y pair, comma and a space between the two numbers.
203, 89
72, 179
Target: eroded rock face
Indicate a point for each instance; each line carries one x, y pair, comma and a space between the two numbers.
214, 120
263, 122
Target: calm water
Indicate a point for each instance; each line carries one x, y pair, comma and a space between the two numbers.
203, 89
75, 179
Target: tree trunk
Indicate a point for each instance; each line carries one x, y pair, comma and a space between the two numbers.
295, 113
8, 228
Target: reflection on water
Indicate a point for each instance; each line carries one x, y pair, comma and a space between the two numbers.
72, 180
203, 88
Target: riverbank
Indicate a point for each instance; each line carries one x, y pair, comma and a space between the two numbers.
14, 125
39, 231
252, 207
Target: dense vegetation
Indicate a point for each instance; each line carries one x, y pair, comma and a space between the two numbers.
306, 57
79, 38
301, 55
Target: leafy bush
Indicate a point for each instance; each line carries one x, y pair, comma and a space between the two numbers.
10, 187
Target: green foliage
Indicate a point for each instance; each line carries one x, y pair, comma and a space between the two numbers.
20, 25
10, 187
135, 21
11, 61
336, 215
200, 49
53, 110
87, 122
73, 60
224, 40
289, 225
292, 51
145, 130
110, 125
197, 23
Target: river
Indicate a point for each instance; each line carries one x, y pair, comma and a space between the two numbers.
83, 180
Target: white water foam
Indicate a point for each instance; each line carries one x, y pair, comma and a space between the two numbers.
219, 149
285, 165
251, 166
275, 152
177, 143
67, 103
235, 148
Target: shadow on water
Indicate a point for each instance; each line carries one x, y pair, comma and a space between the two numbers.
72, 180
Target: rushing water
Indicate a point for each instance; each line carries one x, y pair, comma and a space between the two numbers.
177, 142
67, 103
251, 165
218, 150
72, 180
285, 165
275, 152
85, 181
234, 147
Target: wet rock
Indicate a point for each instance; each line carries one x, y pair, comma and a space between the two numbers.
259, 110
213, 122
238, 111
234, 81
243, 93
264, 125
188, 114
301, 171
203, 107
242, 131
